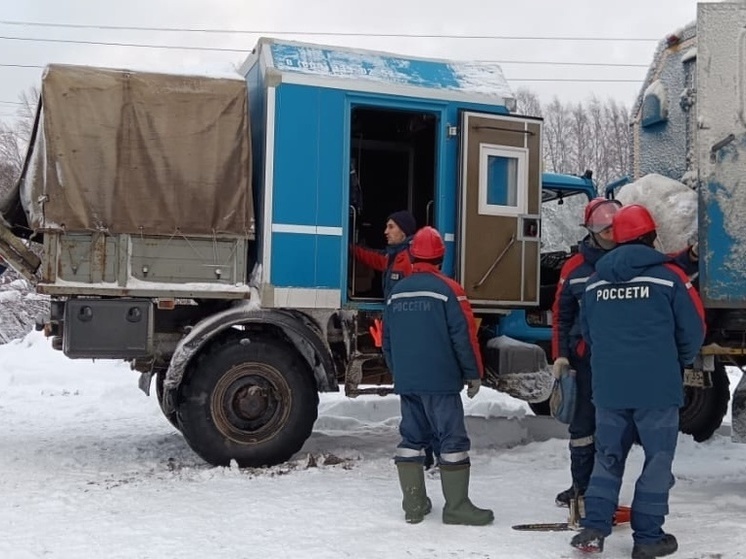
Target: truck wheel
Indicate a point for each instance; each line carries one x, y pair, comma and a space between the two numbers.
254, 402
704, 408
160, 378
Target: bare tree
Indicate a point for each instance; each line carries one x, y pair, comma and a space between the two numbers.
14, 141
29, 101
580, 140
619, 139
593, 135
527, 102
557, 137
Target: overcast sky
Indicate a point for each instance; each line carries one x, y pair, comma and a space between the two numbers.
630, 19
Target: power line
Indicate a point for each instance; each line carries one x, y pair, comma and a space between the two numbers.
575, 80
224, 49
558, 63
114, 44
21, 66
325, 33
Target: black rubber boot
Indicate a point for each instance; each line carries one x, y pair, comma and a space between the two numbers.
564, 497
664, 546
588, 540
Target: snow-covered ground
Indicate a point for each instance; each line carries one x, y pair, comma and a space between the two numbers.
90, 469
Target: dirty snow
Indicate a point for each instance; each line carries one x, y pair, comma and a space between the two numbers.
91, 469
672, 204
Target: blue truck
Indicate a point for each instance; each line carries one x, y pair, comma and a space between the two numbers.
199, 228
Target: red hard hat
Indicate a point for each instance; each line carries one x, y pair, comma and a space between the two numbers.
427, 244
598, 214
632, 222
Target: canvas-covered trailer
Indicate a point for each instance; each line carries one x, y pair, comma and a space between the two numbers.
138, 184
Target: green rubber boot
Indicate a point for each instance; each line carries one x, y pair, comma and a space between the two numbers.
415, 501
458, 508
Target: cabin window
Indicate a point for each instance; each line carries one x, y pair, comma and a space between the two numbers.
502, 171
654, 105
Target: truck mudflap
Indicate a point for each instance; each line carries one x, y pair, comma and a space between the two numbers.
738, 409
17, 255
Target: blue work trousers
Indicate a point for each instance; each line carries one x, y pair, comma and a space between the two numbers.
616, 431
583, 425
429, 417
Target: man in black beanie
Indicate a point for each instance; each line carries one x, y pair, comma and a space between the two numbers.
395, 261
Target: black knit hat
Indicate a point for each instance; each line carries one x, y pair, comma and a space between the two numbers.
405, 221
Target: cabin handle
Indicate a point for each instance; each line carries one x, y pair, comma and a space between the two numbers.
353, 241
717, 146
495, 263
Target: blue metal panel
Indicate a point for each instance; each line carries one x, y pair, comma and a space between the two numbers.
333, 175
310, 261
296, 161
308, 185
309, 173
293, 260
723, 275
328, 263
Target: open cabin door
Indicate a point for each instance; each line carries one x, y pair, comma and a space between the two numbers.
499, 241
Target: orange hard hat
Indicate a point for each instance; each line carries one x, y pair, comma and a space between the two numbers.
632, 222
427, 244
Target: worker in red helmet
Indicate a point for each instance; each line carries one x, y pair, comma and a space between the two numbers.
568, 348
643, 322
430, 346
570, 351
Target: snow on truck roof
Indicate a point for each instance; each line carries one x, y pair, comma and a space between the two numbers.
380, 72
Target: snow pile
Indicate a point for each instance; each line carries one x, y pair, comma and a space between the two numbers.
19, 306
673, 206
91, 468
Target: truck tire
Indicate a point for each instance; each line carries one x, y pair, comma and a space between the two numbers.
160, 378
704, 408
254, 402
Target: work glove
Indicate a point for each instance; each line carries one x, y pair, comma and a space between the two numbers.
560, 364
472, 387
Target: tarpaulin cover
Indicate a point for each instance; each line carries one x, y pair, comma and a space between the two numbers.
141, 153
